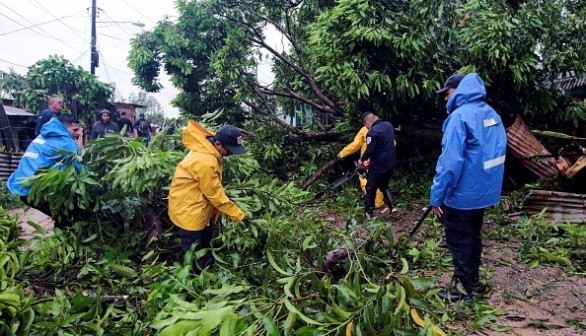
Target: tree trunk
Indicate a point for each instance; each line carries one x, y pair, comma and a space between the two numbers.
319, 173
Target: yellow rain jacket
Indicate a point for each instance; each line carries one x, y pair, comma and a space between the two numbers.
353, 147
197, 197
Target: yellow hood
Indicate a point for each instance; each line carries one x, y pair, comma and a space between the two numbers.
194, 138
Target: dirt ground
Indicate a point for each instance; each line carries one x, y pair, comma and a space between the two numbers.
529, 302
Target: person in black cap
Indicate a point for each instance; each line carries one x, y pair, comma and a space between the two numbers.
104, 125
380, 150
196, 196
469, 176
450, 85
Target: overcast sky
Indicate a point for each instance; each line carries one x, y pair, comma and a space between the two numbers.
31, 30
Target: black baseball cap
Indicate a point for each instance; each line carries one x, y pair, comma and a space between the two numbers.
231, 138
452, 83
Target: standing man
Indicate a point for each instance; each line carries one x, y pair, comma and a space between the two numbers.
359, 143
469, 176
197, 197
380, 150
104, 125
123, 121
57, 136
54, 110
143, 128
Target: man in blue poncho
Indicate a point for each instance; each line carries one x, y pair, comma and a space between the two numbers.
56, 141
469, 176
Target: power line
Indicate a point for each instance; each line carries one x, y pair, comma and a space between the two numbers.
43, 8
44, 33
34, 26
119, 26
139, 12
1, 60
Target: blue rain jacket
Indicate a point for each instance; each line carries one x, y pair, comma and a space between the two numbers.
469, 172
41, 153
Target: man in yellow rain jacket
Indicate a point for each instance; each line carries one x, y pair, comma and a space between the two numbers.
197, 197
360, 143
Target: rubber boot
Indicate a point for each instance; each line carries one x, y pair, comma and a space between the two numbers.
476, 285
460, 290
388, 197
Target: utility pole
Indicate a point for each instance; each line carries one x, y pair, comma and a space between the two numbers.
95, 58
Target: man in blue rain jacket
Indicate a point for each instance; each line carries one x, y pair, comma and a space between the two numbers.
469, 176
57, 135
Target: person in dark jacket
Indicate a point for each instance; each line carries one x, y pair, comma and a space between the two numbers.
104, 125
380, 150
123, 121
469, 177
143, 128
54, 110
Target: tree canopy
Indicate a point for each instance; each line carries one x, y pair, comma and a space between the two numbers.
348, 56
56, 75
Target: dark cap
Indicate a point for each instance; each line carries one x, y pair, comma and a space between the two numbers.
231, 138
452, 83
105, 111
141, 114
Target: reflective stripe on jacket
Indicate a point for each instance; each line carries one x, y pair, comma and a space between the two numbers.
196, 196
469, 172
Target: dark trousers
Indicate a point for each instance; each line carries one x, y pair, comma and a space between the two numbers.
464, 239
377, 180
202, 239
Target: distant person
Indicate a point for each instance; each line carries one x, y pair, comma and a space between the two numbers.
143, 128
56, 141
54, 110
104, 125
124, 121
468, 179
359, 143
171, 129
380, 150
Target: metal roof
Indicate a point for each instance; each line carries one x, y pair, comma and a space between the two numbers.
558, 206
15, 111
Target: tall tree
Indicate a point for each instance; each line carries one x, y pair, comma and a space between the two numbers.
153, 109
56, 75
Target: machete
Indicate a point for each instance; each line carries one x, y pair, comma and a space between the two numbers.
414, 231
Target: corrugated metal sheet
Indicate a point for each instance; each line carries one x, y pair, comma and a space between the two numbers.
15, 111
556, 205
525, 147
569, 83
8, 164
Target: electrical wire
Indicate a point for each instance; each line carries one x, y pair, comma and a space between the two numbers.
34, 26
118, 25
43, 8
139, 12
1, 60
44, 33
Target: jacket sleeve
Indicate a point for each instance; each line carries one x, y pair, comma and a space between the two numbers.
41, 120
354, 146
211, 187
370, 145
451, 161
95, 132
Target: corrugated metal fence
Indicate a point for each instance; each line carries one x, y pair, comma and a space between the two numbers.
8, 164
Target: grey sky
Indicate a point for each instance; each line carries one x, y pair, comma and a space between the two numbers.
64, 28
